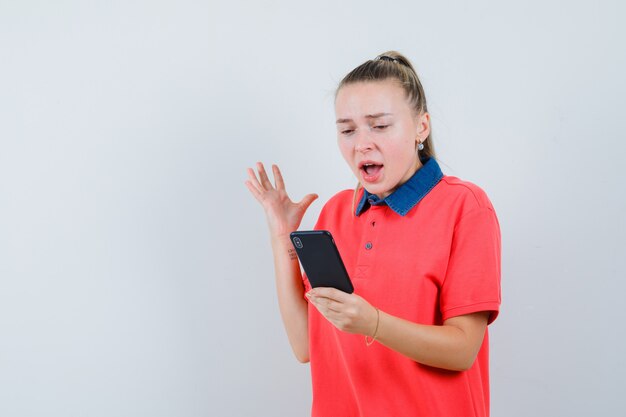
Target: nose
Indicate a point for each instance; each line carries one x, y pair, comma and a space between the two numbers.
363, 142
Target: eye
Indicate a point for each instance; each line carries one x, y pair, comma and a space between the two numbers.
346, 131
381, 127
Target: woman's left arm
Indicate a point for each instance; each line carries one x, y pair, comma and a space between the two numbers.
453, 345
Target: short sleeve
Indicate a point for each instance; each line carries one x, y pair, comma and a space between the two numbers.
472, 281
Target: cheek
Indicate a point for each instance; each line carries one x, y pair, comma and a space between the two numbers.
408, 140
409, 146
402, 154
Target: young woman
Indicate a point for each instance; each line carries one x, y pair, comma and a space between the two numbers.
422, 250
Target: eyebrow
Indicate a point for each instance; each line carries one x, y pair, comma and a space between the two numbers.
367, 116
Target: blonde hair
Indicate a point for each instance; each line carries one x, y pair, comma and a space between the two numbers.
392, 65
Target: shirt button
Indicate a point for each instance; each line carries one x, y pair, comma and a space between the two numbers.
368, 245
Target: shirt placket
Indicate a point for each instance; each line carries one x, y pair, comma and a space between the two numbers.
368, 249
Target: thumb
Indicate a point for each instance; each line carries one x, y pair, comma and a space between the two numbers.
307, 200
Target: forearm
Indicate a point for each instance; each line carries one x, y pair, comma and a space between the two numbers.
451, 346
293, 307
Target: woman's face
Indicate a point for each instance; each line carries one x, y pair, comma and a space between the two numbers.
378, 133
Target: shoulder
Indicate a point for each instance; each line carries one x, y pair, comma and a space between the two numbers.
341, 198
464, 193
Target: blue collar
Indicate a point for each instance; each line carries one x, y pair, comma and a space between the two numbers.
408, 194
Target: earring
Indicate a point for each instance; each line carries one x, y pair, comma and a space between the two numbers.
420, 146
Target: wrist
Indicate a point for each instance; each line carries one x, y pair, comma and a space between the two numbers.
281, 238
369, 339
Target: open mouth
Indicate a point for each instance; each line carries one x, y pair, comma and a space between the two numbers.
370, 170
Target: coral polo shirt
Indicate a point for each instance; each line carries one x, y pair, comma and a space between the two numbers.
428, 252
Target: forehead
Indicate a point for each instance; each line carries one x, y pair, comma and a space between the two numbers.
370, 97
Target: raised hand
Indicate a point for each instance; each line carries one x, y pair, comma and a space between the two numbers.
283, 215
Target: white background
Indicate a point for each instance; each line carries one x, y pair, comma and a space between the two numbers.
135, 269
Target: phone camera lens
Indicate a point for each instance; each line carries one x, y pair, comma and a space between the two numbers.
297, 242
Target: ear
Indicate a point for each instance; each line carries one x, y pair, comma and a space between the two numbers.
422, 126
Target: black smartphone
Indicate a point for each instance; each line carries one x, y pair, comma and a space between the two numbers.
320, 259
